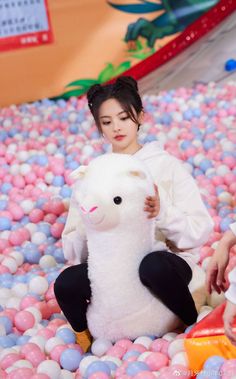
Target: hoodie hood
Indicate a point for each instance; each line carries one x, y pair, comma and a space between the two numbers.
150, 150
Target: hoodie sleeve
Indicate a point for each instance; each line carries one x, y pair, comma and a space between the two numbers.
74, 242
230, 294
183, 217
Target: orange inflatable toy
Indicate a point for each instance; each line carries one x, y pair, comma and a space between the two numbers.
207, 338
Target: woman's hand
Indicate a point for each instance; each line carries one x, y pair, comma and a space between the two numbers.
228, 317
152, 204
216, 269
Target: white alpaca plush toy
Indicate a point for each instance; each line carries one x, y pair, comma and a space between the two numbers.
111, 195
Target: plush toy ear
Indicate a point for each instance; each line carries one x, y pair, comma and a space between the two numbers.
139, 174
79, 173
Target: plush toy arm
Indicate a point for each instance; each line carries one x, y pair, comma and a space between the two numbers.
74, 241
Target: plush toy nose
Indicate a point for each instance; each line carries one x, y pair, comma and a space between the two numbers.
90, 210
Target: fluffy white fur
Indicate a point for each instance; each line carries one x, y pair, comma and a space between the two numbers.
119, 236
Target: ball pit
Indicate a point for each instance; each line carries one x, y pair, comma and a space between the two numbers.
49, 140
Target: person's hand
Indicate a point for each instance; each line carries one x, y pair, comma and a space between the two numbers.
152, 204
228, 317
216, 269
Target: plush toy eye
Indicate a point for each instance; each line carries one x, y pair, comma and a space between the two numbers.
117, 200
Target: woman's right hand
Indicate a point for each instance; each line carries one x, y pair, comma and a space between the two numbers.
216, 269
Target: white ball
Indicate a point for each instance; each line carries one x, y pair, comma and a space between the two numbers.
143, 340
169, 336
72, 117
49, 367
65, 374
32, 228
19, 257
175, 347
205, 263
19, 289
36, 313
87, 150
31, 332
100, 346
27, 206
51, 148
203, 314
180, 359
33, 134
38, 340
23, 156
25, 169
38, 238
5, 293
6, 351
22, 363
225, 197
38, 285
14, 169
13, 302
85, 362
10, 263
143, 356
222, 170
53, 342
198, 159
49, 177
116, 360
5, 235
47, 261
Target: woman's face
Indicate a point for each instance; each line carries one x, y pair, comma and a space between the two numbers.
117, 127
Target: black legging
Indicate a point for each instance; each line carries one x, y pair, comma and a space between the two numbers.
165, 274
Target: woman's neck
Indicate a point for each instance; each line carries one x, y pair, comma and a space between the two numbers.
129, 149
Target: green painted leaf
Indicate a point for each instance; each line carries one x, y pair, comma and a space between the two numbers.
82, 83
124, 66
106, 74
75, 92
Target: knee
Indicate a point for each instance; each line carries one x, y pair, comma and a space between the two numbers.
155, 267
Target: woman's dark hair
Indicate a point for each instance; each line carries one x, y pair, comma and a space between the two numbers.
124, 90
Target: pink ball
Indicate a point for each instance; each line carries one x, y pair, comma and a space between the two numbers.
18, 237
4, 269
57, 351
35, 356
56, 229
46, 333
116, 351
21, 373
16, 211
156, 360
9, 359
40, 376
30, 178
50, 218
137, 347
144, 375
36, 215
27, 301
160, 345
99, 375
24, 320
3, 374
124, 343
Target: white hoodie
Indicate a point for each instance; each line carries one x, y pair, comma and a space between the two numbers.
183, 218
230, 294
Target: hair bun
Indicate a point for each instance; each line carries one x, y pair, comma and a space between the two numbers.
93, 90
127, 81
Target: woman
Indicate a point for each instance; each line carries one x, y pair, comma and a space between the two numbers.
182, 221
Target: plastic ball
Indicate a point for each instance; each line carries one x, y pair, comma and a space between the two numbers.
50, 368
100, 347
24, 320
38, 285
70, 359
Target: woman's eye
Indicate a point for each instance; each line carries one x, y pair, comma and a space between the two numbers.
117, 200
106, 122
124, 118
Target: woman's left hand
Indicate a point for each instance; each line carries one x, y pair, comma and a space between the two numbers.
152, 204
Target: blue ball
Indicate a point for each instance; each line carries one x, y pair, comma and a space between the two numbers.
22, 340
6, 341
205, 164
225, 223
67, 335
59, 256
131, 353
32, 256
134, 368
96, 367
6, 187
73, 129
42, 160
58, 181
3, 205
5, 223
70, 359
65, 191
7, 323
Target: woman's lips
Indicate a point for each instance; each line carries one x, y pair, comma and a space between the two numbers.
119, 138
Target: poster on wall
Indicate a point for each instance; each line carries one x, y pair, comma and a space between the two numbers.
24, 23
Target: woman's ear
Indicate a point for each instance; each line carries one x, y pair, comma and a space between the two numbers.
141, 117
